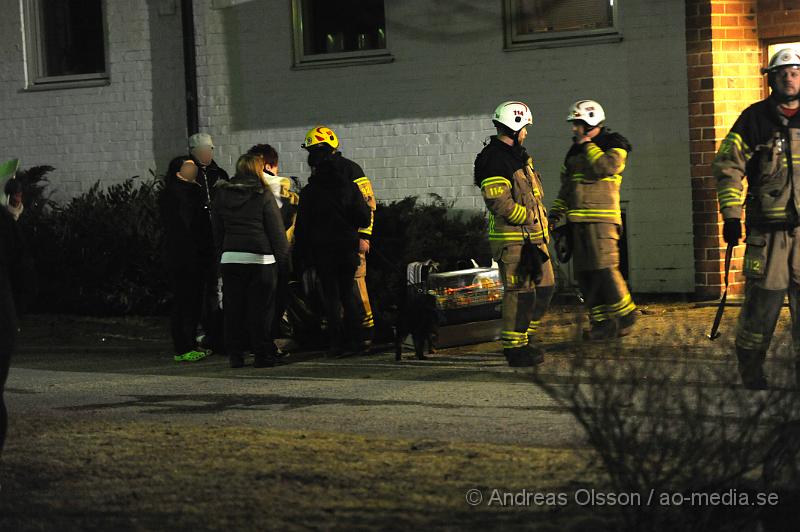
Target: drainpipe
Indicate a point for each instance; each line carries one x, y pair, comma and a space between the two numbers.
189, 66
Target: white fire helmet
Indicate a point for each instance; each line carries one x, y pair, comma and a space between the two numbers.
781, 58
588, 111
513, 115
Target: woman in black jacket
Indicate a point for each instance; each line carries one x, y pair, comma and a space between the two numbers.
188, 252
249, 233
331, 210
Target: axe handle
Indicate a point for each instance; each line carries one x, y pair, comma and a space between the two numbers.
714, 334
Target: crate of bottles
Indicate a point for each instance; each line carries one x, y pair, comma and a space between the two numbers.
469, 295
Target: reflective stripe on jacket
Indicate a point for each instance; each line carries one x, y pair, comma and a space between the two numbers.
764, 146
591, 178
513, 193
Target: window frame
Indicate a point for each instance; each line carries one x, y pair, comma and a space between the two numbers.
36, 79
514, 41
303, 60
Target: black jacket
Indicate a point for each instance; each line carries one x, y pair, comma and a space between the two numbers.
186, 219
331, 211
246, 218
209, 176
17, 278
351, 171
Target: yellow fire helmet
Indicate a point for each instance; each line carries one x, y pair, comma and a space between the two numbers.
321, 135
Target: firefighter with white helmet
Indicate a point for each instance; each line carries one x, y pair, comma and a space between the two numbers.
590, 199
588, 111
761, 147
513, 193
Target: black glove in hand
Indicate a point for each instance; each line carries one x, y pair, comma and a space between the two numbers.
531, 261
732, 231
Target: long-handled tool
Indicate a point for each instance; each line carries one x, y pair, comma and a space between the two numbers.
714, 334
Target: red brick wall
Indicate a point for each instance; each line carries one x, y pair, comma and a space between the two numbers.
778, 18
725, 43
723, 58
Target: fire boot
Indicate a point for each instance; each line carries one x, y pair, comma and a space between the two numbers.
602, 330
537, 353
626, 324
751, 368
360, 341
520, 357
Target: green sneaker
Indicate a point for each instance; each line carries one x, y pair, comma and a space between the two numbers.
191, 356
194, 356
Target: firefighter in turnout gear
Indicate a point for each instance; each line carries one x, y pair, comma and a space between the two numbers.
322, 145
764, 146
589, 197
518, 235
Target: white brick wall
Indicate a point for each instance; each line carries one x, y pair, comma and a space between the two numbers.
104, 133
415, 124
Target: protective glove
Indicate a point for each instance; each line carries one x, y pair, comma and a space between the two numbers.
732, 231
532, 260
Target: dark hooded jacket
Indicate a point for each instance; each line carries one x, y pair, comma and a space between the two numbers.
332, 209
246, 219
187, 225
17, 278
209, 176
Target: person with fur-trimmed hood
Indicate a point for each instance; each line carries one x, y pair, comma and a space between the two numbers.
254, 258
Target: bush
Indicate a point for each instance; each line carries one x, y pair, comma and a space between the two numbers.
409, 231
662, 424
100, 252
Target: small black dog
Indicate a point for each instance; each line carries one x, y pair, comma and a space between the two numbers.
417, 313
419, 317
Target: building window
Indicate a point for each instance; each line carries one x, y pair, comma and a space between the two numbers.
339, 33
546, 23
65, 43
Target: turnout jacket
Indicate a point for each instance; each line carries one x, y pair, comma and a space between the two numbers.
591, 178
513, 193
330, 213
352, 171
763, 145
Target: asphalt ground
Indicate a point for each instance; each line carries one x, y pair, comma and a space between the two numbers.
108, 432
